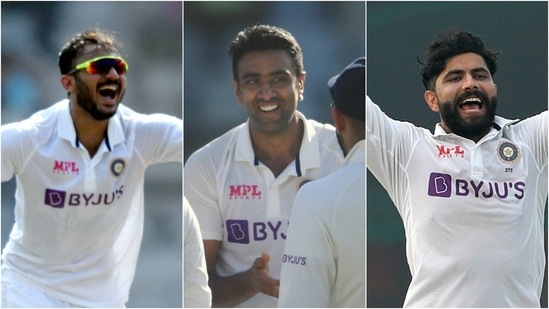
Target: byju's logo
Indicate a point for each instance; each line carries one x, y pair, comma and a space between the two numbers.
58, 199
238, 231
55, 198
242, 232
293, 259
440, 185
244, 192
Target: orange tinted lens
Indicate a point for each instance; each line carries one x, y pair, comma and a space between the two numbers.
103, 66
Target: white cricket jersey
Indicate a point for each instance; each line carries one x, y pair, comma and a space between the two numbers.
472, 213
79, 220
196, 290
239, 202
324, 258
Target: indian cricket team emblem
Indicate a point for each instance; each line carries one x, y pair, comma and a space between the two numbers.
117, 166
508, 152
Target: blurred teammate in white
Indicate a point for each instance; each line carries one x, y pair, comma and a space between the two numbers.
79, 166
471, 195
196, 290
324, 257
242, 185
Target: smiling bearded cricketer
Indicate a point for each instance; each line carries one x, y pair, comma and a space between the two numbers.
79, 167
472, 195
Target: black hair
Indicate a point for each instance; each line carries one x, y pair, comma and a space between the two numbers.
74, 46
451, 43
261, 38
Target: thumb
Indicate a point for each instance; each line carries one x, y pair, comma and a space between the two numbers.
265, 257
263, 261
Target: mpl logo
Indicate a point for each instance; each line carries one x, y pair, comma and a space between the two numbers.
244, 192
450, 152
238, 231
65, 167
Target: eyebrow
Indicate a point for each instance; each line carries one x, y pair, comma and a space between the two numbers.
273, 73
460, 71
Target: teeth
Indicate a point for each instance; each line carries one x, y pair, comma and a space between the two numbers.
109, 87
472, 100
268, 108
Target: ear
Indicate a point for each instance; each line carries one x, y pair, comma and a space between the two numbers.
237, 91
301, 85
67, 82
301, 80
340, 122
432, 100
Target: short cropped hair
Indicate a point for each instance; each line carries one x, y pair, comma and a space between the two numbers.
262, 38
73, 48
449, 44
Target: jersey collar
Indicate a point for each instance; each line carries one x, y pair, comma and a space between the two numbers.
499, 123
309, 154
66, 130
356, 154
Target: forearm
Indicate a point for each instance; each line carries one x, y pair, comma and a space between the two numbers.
231, 291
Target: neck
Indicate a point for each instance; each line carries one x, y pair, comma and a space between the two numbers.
278, 150
89, 131
473, 137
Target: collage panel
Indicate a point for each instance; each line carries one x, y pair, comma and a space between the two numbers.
262, 83
61, 184
460, 219
91, 97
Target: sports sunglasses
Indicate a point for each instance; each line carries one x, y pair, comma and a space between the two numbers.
102, 65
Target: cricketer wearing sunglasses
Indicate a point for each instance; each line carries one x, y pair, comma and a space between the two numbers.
79, 167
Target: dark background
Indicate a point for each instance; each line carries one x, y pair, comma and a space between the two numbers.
398, 32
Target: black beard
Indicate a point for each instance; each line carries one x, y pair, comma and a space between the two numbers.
472, 127
85, 100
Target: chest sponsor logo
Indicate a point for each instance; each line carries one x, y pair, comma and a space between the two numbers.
450, 152
60, 199
244, 192
443, 185
243, 231
65, 167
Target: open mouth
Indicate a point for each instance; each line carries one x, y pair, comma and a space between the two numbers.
269, 108
109, 91
471, 105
